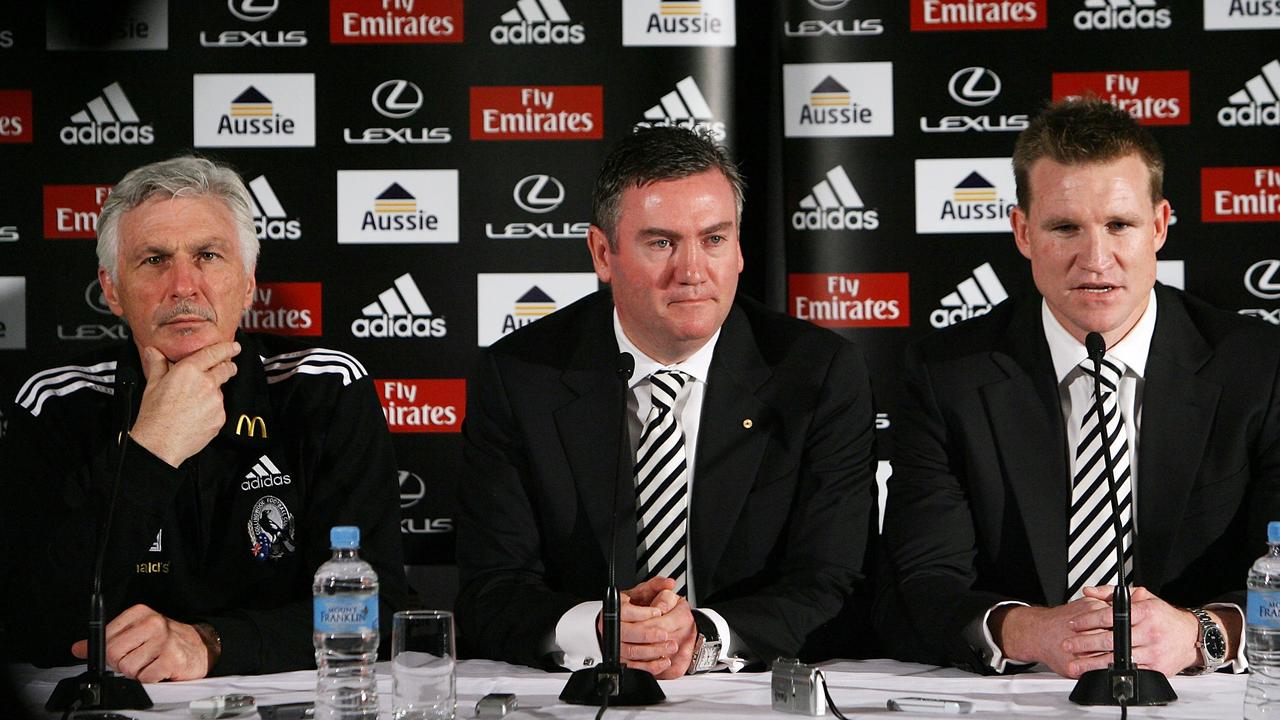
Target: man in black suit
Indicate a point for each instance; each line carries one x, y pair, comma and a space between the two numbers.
746, 520
998, 525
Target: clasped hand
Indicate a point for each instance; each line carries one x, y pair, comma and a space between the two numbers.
657, 629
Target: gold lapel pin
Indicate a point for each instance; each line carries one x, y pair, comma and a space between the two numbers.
746, 423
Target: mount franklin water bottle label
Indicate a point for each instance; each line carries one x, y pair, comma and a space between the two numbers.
345, 614
1264, 609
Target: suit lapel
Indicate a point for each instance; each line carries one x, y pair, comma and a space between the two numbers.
1177, 415
588, 427
1026, 422
729, 453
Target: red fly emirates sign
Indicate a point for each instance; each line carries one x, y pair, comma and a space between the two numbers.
378, 22
850, 300
285, 308
71, 211
979, 14
1240, 194
1152, 97
551, 112
15, 116
423, 406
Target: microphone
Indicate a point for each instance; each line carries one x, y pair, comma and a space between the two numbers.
1122, 683
611, 682
98, 688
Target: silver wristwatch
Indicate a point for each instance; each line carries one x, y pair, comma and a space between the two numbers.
1211, 644
706, 648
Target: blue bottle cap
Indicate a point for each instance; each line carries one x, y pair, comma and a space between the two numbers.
348, 536
1273, 532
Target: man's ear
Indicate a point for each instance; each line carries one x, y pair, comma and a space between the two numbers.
110, 292
601, 255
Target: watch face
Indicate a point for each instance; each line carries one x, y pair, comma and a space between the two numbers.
1215, 644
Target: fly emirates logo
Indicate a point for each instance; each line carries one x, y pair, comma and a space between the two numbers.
395, 21
561, 112
929, 15
423, 406
850, 300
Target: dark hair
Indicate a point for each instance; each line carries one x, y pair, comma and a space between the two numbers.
1084, 130
653, 154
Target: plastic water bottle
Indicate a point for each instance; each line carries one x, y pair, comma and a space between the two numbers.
1262, 643
346, 631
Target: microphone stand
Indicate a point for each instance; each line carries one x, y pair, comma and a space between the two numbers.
1122, 683
98, 688
611, 682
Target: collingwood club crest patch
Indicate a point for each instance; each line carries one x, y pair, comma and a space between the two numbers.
270, 529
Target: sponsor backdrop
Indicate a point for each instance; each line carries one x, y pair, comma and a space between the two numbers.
421, 169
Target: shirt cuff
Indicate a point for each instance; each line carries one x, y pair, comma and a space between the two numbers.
1241, 663
574, 644
978, 636
729, 644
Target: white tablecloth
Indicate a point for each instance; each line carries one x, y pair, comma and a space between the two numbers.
860, 689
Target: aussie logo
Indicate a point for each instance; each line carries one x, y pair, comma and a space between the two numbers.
134, 25
397, 206
838, 99
964, 195
1122, 15
1241, 14
506, 302
678, 22
1258, 103
271, 529
537, 22
254, 110
108, 119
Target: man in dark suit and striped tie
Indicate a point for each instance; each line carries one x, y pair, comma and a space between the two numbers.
743, 516
999, 523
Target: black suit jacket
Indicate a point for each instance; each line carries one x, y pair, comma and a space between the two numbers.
780, 511
977, 505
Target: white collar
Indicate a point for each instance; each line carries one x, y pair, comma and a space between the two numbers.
1068, 353
697, 365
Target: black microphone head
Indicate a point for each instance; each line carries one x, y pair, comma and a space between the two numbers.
626, 366
1095, 345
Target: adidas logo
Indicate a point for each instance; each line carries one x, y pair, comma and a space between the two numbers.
1256, 105
264, 474
269, 217
1122, 15
252, 113
973, 297
108, 119
396, 210
537, 22
684, 107
834, 204
399, 312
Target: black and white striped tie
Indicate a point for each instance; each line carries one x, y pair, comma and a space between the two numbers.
1091, 536
661, 485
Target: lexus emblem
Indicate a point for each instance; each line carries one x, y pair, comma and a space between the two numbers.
974, 86
412, 488
538, 194
96, 299
828, 4
253, 10
397, 98
1260, 279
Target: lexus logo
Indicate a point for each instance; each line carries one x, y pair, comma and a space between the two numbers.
974, 86
1261, 280
828, 4
253, 10
96, 299
397, 98
538, 194
412, 489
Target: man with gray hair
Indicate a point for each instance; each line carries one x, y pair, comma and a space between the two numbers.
241, 452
